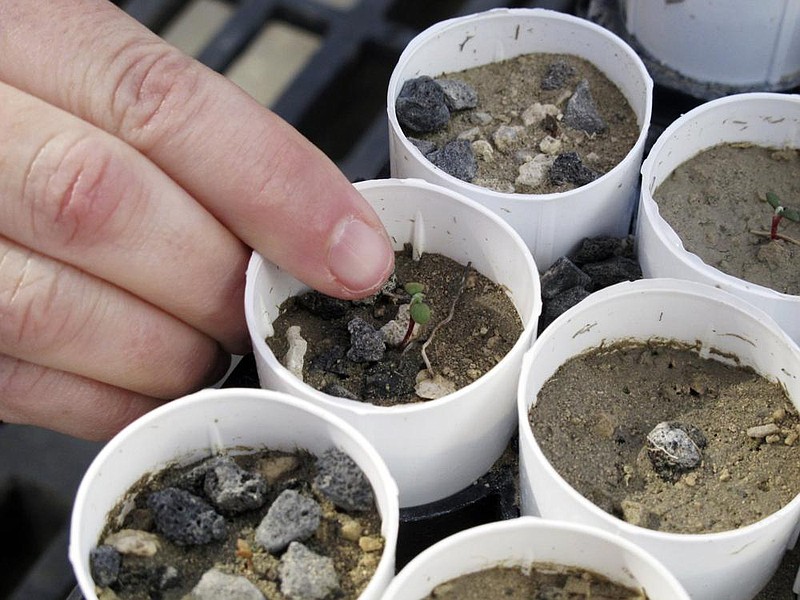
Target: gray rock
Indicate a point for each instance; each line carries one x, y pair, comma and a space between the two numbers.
561, 276
185, 519
555, 306
610, 271
675, 448
568, 168
596, 249
338, 390
292, 517
557, 75
104, 564
341, 480
216, 585
421, 105
366, 342
581, 111
325, 307
458, 95
457, 159
424, 146
331, 360
232, 489
306, 575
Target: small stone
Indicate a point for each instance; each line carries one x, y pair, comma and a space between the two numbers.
725, 475
557, 76
232, 489
779, 415
611, 271
537, 112
550, 145
506, 137
470, 134
426, 147
134, 542
674, 448
341, 480
325, 307
596, 249
185, 519
456, 159
350, 528
480, 118
534, 172
294, 359
581, 111
568, 168
458, 95
483, 150
366, 343
561, 276
339, 391
306, 575
561, 303
216, 585
104, 564
690, 479
370, 543
394, 332
762, 431
791, 438
773, 439
273, 468
421, 105
433, 388
292, 517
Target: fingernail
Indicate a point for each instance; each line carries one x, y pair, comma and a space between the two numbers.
360, 257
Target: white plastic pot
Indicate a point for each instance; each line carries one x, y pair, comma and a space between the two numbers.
730, 565
740, 44
438, 447
201, 424
761, 118
527, 540
552, 225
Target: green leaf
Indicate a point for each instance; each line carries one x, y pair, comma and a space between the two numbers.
773, 199
792, 214
420, 312
413, 287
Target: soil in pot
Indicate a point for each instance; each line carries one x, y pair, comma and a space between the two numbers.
717, 204
267, 525
361, 349
662, 438
536, 124
541, 580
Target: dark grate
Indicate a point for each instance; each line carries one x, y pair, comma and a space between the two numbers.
337, 100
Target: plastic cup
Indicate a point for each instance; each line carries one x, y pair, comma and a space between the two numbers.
766, 119
552, 225
733, 564
523, 541
695, 40
438, 447
201, 424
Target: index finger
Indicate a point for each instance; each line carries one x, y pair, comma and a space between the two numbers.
256, 174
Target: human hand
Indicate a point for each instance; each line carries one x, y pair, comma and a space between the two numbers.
132, 181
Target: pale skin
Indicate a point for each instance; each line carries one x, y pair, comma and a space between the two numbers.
134, 183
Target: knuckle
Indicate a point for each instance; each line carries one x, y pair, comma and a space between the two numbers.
17, 380
154, 93
74, 188
32, 317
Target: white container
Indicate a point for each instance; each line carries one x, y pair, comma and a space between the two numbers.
766, 119
730, 565
552, 225
741, 44
201, 424
523, 541
438, 447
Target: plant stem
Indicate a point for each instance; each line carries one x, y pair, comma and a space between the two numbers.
444, 321
778, 236
409, 331
773, 230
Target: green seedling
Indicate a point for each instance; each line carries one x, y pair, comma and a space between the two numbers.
418, 310
780, 211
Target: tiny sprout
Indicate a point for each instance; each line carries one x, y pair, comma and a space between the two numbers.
780, 211
418, 310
